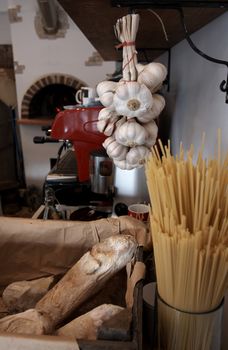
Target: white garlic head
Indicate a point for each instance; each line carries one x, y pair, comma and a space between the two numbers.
132, 99
131, 133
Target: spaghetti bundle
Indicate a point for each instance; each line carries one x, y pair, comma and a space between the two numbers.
189, 224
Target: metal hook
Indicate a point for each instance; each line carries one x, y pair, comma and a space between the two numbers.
224, 86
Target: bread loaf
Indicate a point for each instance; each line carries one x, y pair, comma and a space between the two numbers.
86, 277
86, 326
83, 280
23, 295
27, 322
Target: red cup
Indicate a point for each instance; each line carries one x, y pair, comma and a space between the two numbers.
139, 211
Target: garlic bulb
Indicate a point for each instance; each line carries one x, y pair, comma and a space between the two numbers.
106, 86
114, 149
158, 106
131, 106
152, 133
153, 75
123, 164
132, 99
137, 156
131, 134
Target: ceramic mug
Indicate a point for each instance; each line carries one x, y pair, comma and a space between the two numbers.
86, 96
139, 211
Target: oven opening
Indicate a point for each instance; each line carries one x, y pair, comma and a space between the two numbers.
49, 100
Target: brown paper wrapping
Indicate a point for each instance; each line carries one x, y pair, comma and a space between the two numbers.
19, 342
33, 248
134, 275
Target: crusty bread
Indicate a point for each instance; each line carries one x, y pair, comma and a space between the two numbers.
27, 322
23, 295
86, 277
86, 326
83, 280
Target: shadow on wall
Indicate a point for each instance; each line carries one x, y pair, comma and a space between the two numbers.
166, 118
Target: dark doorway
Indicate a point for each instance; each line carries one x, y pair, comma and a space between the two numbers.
50, 100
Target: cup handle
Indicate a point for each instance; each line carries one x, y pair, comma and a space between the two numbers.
78, 96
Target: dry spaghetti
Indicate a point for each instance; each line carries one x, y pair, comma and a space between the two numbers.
189, 224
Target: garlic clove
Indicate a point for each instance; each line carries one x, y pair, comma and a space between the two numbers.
107, 126
108, 141
106, 113
121, 121
134, 88
106, 86
114, 149
158, 105
146, 117
155, 111
153, 75
107, 99
121, 91
137, 156
109, 129
152, 133
101, 124
123, 164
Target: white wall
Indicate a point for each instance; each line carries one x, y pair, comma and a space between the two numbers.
5, 37
195, 100
46, 56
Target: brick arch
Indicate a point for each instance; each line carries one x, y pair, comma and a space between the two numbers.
46, 80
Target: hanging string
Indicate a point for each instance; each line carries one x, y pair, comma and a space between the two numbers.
125, 43
162, 23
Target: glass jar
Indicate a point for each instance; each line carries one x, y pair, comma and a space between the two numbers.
179, 330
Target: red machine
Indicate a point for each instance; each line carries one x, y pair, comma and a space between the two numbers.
79, 126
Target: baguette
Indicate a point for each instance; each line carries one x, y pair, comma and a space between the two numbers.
23, 295
87, 277
86, 326
83, 280
27, 322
